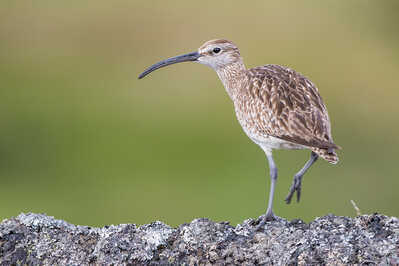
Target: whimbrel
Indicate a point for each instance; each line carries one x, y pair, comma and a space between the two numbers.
277, 107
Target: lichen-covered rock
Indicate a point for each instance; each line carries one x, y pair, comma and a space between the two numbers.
35, 239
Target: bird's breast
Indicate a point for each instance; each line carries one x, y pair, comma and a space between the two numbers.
257, 123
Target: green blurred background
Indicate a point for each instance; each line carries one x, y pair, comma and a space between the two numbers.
84, 140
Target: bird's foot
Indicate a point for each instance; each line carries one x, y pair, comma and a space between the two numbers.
296, 186
267, 218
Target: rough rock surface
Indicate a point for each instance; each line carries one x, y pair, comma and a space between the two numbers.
35, 239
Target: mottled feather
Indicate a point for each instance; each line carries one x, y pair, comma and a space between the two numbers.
279, 102
277, 107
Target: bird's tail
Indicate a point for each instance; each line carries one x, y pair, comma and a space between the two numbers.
327, 154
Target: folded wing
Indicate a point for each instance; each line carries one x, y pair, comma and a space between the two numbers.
293, 109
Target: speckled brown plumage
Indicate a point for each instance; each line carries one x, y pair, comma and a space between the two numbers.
276, 101
279, 102
277, 108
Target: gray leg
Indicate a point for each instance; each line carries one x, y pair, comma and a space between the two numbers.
297, 182
273, 178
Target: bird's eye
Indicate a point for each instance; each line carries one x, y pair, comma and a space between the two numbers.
216, 50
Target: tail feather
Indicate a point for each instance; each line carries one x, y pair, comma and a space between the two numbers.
327, 154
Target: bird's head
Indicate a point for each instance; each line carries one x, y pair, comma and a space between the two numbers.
218, 53
215, 53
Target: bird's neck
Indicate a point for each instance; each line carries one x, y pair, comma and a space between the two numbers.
232, 76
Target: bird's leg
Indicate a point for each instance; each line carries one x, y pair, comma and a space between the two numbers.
273, 178
296, 182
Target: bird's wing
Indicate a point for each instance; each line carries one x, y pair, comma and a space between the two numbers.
292, 107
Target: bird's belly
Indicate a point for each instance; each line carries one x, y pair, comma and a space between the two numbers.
266, 141
270, 142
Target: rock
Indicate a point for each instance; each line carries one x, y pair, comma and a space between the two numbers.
35, 239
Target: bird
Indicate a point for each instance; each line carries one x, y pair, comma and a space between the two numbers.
277, 107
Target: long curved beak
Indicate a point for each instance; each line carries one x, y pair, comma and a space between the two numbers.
177, 59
